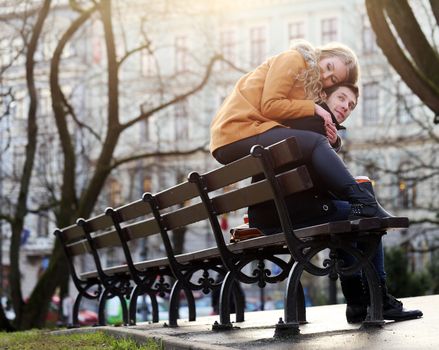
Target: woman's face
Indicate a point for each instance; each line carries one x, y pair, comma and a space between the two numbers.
332, 71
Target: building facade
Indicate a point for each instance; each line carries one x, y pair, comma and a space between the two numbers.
388, 137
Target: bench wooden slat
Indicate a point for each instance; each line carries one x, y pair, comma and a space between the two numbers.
395, 222
100, 222
293, 181
185, 216
110, 239
78, 248
282, 153
232, 173
72, 233
124, 268
75, 232
134, 210
176, 195
142, 229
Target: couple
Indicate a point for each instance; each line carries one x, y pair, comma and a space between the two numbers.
285, 97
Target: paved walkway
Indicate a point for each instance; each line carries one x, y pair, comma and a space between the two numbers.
327, 329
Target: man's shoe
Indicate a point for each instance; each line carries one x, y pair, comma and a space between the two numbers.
394, 310
356, 313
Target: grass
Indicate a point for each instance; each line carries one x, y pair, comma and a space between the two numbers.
37, 339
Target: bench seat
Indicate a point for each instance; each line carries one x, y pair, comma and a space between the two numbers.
275, 240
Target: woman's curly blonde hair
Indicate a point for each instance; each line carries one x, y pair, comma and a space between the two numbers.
311, 75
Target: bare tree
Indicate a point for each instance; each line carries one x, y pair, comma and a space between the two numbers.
402, 40
71, 201
17, 219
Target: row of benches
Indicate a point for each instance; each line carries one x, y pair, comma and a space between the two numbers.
204, 198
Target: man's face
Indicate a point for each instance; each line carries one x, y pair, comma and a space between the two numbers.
341, 103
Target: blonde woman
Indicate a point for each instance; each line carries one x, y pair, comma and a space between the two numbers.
289, 86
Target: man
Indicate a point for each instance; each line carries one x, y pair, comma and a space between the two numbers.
340, 101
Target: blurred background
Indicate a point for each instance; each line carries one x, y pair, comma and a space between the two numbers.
101, 101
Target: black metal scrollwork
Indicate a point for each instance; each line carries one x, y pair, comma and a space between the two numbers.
161, 286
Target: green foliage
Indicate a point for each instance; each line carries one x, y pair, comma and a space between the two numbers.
433, 270
401, 282
37, 339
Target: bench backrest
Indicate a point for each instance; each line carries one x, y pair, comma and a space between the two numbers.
202, 197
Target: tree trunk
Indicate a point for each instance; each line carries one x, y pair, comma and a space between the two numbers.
420, 79
35, 311
5, 325
32, 130
178, 239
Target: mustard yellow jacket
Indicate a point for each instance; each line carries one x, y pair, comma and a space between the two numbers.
261, 100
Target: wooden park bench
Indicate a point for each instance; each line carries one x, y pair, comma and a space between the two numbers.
205, 197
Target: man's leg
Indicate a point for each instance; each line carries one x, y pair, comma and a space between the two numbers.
393, 309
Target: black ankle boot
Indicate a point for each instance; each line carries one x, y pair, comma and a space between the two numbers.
393, 309
363, 203
382, 213
356, 298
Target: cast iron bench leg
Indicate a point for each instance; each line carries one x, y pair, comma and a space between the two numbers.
375, 314
174, 303
101, 310
290, 326
123, 303
239, 302
76, 311
224, 303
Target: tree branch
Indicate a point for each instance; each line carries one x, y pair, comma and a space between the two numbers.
435, 9
58, 98
178, 98
174, 153
425, 58
133, 51
397, 58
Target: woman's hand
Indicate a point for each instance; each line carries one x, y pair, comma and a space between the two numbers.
331, 130
324, 114
331, 133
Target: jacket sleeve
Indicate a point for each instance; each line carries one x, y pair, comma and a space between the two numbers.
338, 144
280, 79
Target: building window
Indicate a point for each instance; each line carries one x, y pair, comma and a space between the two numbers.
145, 130
18, 156
296, 30
147, 184
329, 30
147, 63
43, 224
115, 193
406, 187
370, 103
404, 100
258, 45
181, 54
406, 194
228, 47
369, 39
181, 121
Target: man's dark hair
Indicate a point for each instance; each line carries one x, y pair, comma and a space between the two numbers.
352, 87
